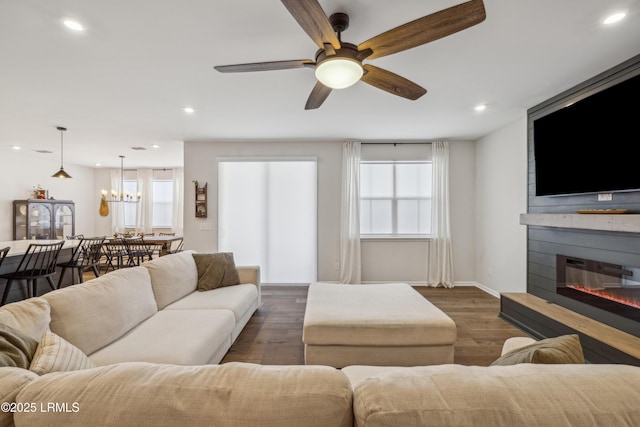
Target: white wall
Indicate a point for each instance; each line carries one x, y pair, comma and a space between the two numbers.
381, 260
501, 196
21, 172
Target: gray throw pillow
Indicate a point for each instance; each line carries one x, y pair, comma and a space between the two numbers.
216, 270
562, 349
16, 348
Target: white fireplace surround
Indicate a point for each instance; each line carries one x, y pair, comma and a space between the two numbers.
625, 223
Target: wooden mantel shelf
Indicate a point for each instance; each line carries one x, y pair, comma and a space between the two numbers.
626, 223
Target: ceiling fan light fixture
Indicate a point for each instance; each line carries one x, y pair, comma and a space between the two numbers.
339, 73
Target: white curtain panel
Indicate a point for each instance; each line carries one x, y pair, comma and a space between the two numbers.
177, 217
144, 213
116, 209
350, 260
440, 258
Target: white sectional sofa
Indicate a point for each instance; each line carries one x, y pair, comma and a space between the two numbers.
150, 313
155, 341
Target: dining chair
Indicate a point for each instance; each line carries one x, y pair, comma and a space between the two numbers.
3, 254
178, 246
38, 262
137, 250
86, 255
114, 251
76, 237
166, 234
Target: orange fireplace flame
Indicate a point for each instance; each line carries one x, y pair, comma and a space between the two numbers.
607, 294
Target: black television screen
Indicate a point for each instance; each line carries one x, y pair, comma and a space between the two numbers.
590, 146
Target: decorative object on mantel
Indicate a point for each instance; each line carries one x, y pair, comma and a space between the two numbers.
125, 197
603, 211
61, 173
201, 200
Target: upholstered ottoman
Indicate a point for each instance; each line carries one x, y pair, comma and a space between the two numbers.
383, 325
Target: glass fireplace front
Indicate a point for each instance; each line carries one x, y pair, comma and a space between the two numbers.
611, 287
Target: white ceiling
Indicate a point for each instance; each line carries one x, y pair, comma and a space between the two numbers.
124, 81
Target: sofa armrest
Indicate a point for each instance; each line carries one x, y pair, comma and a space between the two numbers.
250, 274
514, 343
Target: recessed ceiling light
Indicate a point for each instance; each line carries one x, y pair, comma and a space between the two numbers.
15, 147
613, 18
73, 24
155, 146
189, 110
480, 107
98, 164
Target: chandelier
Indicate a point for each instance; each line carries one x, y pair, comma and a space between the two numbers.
123, 196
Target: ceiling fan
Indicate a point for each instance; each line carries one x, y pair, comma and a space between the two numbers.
339, 64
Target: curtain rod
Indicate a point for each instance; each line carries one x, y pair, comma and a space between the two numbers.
396, 143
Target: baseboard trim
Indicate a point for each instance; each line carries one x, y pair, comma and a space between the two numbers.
480, 286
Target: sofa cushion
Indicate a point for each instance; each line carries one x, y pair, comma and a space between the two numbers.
172, 277
31, 316
180, 337
56, 354
562, 349
216, 270
239, 299
16, 348
517, 395
95, 313
228, 395
12, 380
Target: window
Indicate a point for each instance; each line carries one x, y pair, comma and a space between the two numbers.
162, 203
267, 214
395, 198
162, 210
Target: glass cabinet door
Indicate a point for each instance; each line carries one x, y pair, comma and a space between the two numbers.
39, 221
63, 222
20, 215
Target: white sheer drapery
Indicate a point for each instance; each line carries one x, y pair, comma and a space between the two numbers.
440, 257
117, 209
350, 259
144, 211
177, 217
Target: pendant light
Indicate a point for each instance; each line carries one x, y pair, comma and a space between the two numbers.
61, 173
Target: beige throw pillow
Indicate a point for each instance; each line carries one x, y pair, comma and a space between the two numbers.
54, 354
16, 348
562, 349
216, 270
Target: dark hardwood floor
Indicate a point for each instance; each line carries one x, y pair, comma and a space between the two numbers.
273, 336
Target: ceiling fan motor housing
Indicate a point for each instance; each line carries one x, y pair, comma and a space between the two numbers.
347, 51
339, 21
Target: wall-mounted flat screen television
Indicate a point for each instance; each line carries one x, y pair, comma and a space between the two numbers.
590, 146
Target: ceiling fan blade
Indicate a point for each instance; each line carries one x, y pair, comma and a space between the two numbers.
426, 29
392, 83
313, 21
265, 66
317, 97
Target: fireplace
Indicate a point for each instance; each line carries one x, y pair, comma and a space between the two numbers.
611, 287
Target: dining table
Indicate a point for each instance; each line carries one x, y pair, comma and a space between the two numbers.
164, 241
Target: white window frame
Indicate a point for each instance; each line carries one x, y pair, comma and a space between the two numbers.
153, 219
134, 206
394, 235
